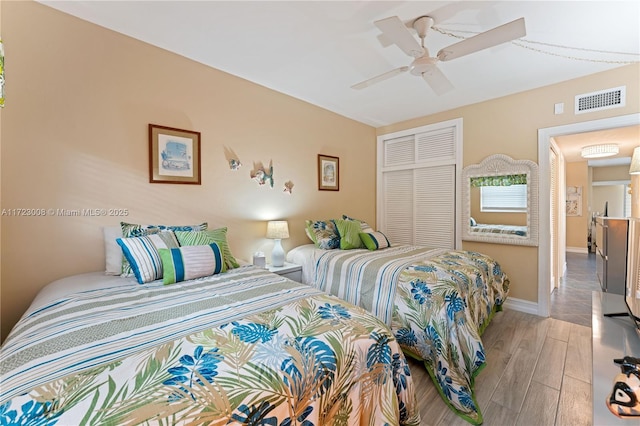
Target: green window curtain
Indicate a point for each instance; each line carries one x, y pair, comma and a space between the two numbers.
506, 180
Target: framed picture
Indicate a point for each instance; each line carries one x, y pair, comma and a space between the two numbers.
328, 173
574, 201
174, 155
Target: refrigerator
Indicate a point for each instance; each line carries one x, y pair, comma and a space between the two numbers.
611, 253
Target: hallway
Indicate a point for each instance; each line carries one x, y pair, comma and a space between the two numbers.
571, 301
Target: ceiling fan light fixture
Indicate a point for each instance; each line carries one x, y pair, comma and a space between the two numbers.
598, 151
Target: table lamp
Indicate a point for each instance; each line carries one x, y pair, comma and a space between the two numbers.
277, 230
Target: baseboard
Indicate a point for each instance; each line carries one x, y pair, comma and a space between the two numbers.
521, 305
582, 250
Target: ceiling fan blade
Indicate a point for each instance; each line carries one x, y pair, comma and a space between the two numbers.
437, 80
379, 78
502, 34
395, 31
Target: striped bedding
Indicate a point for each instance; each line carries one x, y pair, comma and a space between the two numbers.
436, 301
243, 347
499, 229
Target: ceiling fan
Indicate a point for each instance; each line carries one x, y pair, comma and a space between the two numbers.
426, 66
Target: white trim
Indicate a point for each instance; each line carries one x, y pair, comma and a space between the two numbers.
521, 305
544, 143
581, 250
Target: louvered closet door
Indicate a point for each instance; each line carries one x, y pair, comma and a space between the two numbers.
435, 205
420, 206
417, 186
553, 220
398, 210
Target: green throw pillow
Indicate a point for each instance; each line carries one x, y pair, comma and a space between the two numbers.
349, 231
218, 236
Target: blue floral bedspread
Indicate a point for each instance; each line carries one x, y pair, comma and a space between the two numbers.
244, 347
437, 303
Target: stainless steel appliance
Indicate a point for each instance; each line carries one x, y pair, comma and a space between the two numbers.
611, 253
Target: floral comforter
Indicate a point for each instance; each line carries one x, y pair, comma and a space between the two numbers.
437, 303
244, 347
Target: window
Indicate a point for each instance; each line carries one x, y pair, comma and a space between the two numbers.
512, 198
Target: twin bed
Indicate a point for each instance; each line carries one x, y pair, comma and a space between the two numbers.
246, 346
436, 302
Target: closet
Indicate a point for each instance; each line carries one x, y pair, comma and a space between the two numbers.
418, 185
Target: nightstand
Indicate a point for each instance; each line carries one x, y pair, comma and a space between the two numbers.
289, 270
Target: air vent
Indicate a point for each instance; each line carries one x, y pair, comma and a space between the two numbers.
603, 99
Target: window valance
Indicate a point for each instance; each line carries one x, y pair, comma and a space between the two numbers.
506, 180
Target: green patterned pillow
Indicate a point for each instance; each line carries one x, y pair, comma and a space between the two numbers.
374, 240
323, 233
218, 236
190, 262
136, 230
349, 231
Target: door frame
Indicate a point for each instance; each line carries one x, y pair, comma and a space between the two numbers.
544, 143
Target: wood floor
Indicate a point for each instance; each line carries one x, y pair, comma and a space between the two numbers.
538, 372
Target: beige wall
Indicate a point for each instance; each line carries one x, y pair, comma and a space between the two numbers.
613, 195
509, 125
74, 136
610, 173
577, 174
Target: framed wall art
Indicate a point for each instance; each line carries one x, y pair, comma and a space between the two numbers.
174, 155
574, 201
328, 173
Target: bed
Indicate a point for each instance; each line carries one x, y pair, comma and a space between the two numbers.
241, 347
437, 303
499, 229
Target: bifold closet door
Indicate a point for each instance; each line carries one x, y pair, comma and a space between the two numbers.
419, 206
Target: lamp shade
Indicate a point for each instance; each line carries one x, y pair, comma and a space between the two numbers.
277, 229
601, 150
635, 162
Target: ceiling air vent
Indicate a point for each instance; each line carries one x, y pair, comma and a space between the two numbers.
603, 99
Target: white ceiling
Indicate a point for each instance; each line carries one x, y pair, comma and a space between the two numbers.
626, 138
315, 50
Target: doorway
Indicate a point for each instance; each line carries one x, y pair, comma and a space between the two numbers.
545, 141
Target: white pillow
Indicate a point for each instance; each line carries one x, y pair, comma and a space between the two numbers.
112, 251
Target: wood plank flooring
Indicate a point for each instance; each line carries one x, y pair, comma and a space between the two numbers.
538, 373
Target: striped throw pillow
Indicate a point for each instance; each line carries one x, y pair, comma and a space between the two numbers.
142, 254
190, 262
375, 240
